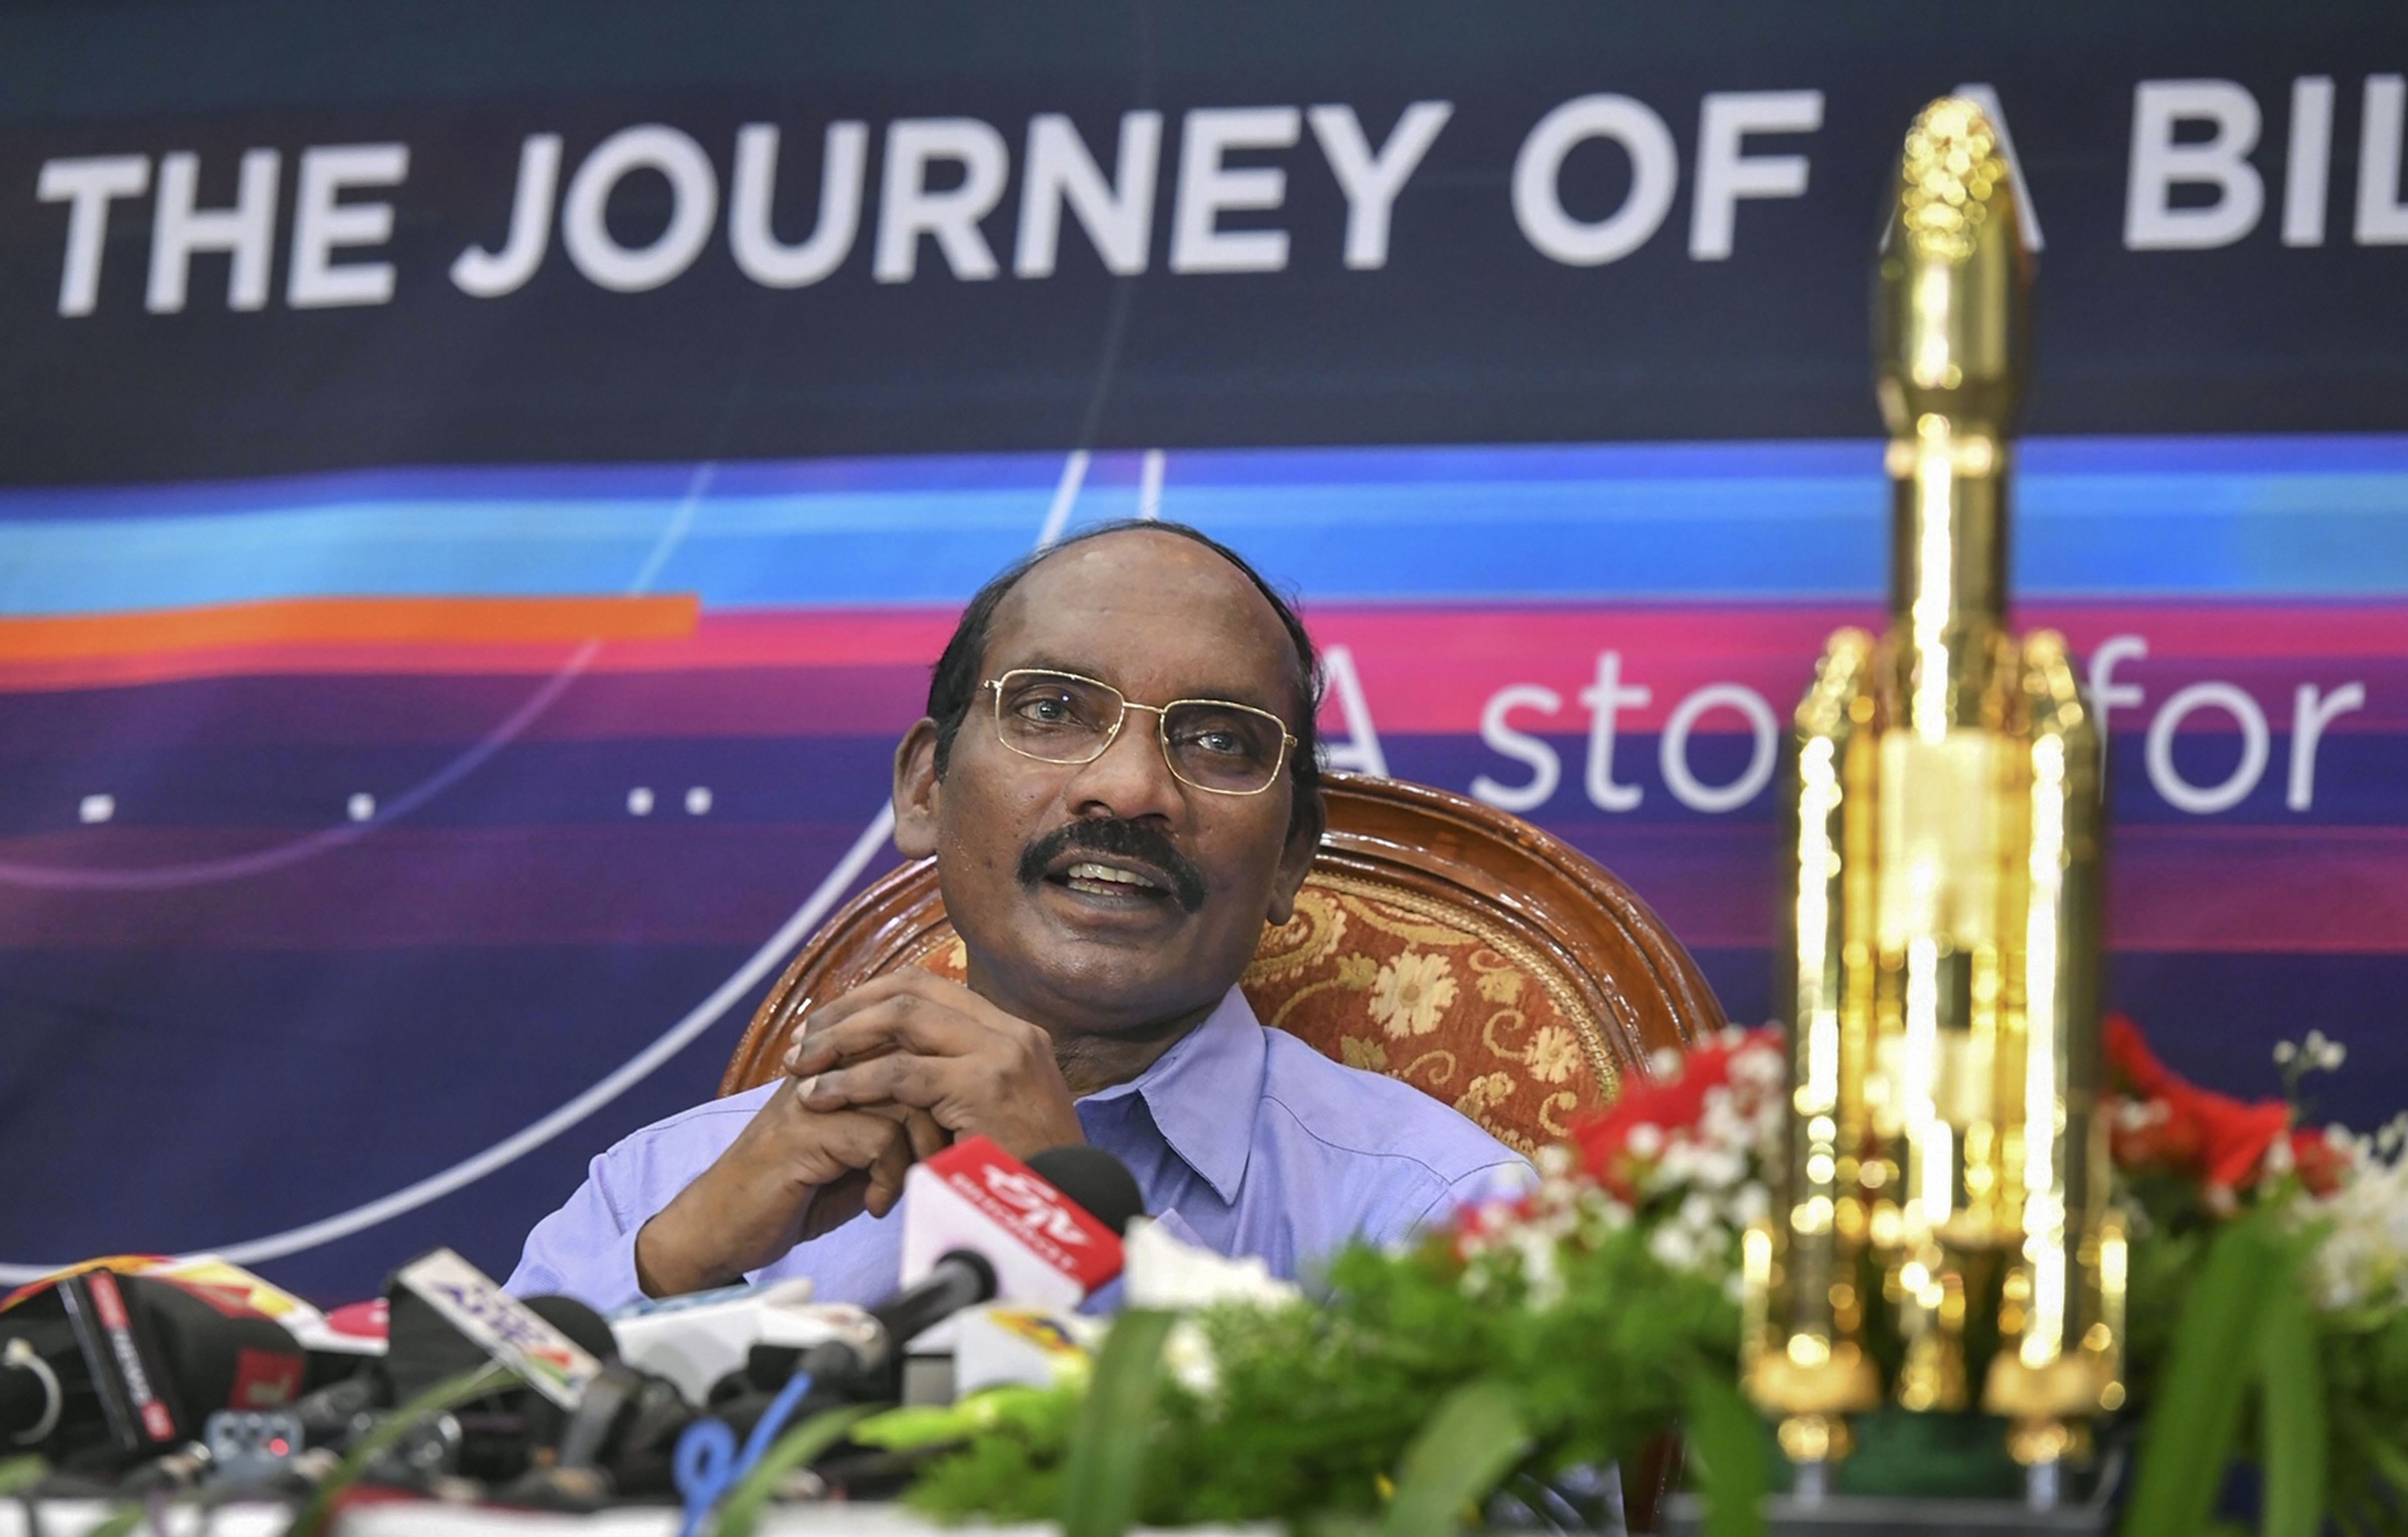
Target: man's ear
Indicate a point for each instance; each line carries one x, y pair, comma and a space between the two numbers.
1296, 859
918, 792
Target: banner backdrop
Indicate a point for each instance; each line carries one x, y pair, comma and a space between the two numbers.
480, 487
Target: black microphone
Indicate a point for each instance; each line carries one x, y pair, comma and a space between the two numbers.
99, 1370
961, 1278
446, 1318
1095, 1180
422, 1346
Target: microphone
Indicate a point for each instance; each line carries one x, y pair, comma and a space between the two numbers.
1095, 1180
697, 1340
448, 1317
978, 1224
102, 1368
1045, 1246
32, 1398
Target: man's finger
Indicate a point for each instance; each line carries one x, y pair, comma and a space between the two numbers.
900, 1078
886, 1173
816, 1146
910, 982
833, 1204
904, 1023
926, 1137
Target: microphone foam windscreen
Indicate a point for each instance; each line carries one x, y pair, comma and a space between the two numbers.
587, 1330
1095, 1180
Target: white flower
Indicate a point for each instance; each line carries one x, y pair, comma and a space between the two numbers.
1719, 1168
1189, 1355
2141, 1114
1539, 1270
2362, 1260
1646, 1139
1759, 1068
1163, 1272
2279, 1161
1676, 1247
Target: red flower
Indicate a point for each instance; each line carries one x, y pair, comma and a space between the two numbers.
2212, 1138
2133, 1067
2320, 1164
1671, 1105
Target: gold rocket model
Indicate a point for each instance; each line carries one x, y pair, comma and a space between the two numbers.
1939, 954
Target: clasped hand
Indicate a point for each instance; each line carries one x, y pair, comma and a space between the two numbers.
876, 1080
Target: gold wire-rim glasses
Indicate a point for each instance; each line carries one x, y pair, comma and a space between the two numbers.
999, 686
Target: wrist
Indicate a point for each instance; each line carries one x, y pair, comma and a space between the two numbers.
667, 1264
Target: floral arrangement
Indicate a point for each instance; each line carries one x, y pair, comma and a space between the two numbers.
2270, 1301
1563, 1331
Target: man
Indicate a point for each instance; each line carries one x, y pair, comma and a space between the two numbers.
1116, 778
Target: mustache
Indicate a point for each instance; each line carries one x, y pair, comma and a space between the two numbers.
1129, 839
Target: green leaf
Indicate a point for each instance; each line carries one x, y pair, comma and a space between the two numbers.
444, 1396
1107, 1463
795, 1449
2390, 1457
2291, 1415
2189, 1434
916, 1428
19, 1472
120, 1521
1726, 1443
1473, 1440
919, 1426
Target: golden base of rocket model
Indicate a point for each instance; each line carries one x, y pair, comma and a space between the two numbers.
1945, 1173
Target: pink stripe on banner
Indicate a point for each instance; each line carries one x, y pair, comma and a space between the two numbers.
1440, 663
2304, 890
1435, 669
2299, 889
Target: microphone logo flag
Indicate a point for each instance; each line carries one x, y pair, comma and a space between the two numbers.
1040, 1206
1045, 1248
507, 1328
136, 1410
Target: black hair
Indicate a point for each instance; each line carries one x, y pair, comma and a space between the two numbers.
954, 683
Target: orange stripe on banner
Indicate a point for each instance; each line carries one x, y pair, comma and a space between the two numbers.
350, 621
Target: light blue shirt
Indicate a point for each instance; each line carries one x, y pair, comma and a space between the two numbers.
1251, 1142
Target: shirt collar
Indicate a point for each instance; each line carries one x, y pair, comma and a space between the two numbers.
1204, 1091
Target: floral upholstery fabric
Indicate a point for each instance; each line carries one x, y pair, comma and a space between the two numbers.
1429, 993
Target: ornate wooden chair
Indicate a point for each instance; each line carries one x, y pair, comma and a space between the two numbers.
1438, 941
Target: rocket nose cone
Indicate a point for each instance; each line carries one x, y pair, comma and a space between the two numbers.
1952, 277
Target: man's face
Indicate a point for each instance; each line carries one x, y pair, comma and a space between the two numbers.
1160, 618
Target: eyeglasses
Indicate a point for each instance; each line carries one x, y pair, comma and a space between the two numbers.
1213, 744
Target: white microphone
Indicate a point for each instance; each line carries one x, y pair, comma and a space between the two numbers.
695, 1340
1050, 1229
